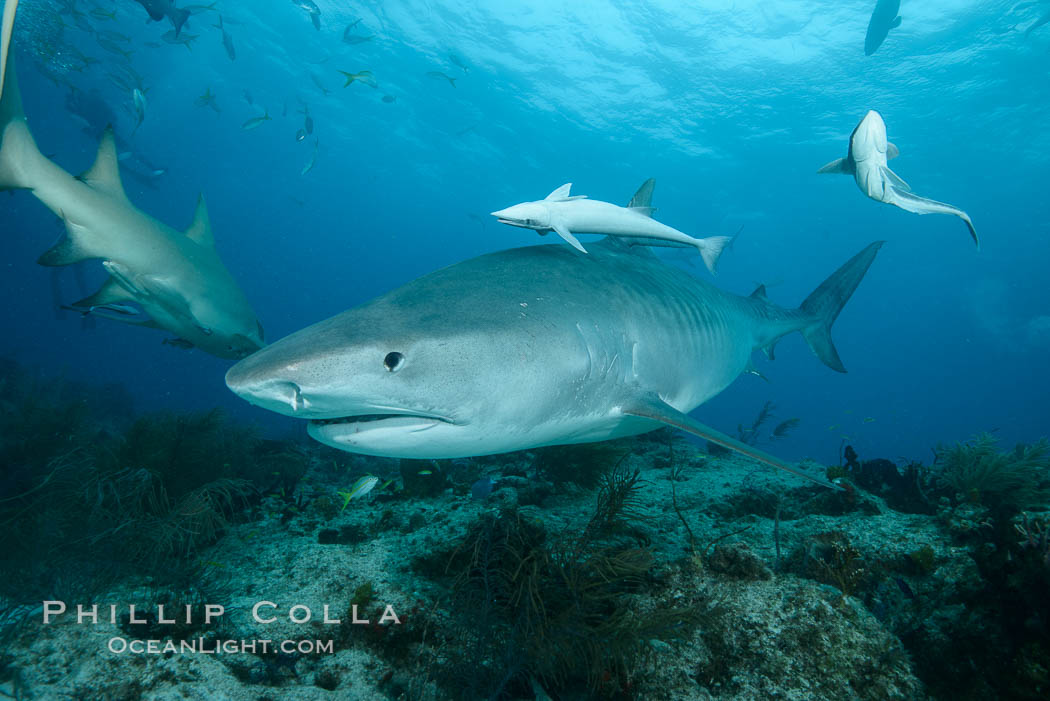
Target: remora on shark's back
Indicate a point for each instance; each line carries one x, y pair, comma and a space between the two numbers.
529, 347
567, 215
176, 278
869, 151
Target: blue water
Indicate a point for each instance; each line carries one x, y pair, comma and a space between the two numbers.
731, 106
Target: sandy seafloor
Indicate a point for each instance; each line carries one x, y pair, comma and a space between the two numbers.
769, 634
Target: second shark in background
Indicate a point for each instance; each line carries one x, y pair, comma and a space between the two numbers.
869, 151
175, 277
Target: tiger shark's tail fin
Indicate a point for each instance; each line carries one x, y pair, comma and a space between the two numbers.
825, 303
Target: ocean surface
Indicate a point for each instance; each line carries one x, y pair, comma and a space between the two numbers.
731, 105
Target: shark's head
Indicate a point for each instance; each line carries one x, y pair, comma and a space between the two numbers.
430, 378
223, 325
528, 215
240, 345
379, 391
869, 138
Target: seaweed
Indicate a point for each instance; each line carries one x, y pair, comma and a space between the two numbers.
1006, 482
85, 504
557, 609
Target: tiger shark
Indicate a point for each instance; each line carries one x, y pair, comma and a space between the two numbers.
567, 215
866, 160
530, 347
175, 277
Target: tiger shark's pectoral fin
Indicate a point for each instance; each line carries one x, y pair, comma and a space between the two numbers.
654, 408
560, 230
910, 202
842, 166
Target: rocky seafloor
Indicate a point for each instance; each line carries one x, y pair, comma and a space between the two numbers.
641, 569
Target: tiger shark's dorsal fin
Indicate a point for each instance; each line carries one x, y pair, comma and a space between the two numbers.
643, 199
760, 293
104, 175
200, 229
562, 193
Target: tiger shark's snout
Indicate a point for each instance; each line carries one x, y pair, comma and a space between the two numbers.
871, 133
277, 395
276, 387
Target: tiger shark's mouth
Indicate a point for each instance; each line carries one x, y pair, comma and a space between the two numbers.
391, 419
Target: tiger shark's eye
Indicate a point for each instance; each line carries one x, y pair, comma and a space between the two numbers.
392, 362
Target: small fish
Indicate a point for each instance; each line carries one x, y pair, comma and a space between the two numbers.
180, 343
310, 7
355, 38
425, 472
113, 48
308, 122
111, 35
99, 13
480, 490
438, 75
227, 41
82, 23
300, 135
197, 9
320, 86
905, 588
458, 62
256, 121
361, 487
185, 39
139, 99
365, 77
248, 98
208, 100
869, 419
121, 82
389, 98
313, 159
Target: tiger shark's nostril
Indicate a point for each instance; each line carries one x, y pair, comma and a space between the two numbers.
291, 392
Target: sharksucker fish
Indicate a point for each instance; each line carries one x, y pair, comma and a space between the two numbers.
530, 347
866, 160
567, 215
176, 277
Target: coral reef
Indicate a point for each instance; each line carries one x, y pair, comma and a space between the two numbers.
641, 569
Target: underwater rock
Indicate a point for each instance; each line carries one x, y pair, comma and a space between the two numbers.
344, 535
736, 560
